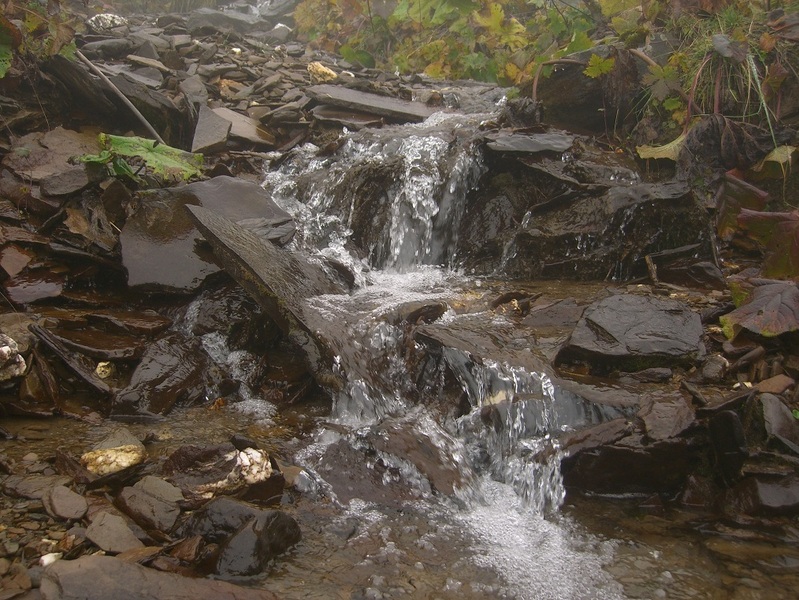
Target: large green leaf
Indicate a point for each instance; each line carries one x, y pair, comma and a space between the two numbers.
163, 160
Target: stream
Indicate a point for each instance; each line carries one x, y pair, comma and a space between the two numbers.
435, 472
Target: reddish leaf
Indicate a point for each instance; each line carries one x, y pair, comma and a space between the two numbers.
773, 309
778, 233
735, 194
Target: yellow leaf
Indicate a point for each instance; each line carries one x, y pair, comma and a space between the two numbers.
669, 151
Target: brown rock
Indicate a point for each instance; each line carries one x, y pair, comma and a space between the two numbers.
62, 503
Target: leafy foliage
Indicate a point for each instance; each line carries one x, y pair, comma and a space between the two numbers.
43, 31
778, 233
161, 160
598, 66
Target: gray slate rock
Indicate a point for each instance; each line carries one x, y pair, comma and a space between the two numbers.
148, 511
211, 132
780, 423
61, 502
32, 487
112, 534
160, 488
636, 332
667, 419
208, 19
103, 577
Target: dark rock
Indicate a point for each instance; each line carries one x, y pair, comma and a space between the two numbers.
42, 155
279, 281
244, 128
219, 519
631, 467
729, 445
664, 419
157, 108
170, 373
635, 332
780, 422
699, 493
65, 183
248, 551
109, 48
393, 108
112, 534
530, 143
103, 577
159, 243
159, 488
761, 496
148, 511
205, 20
196, 93
541, 222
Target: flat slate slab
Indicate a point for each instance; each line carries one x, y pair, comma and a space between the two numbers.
393, 108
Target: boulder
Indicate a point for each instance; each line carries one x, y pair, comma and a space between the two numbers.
765, 496
102, 577
148, 511
631, 332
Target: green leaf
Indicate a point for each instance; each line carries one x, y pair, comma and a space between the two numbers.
164, 161
357, 57
579, 42
795, 413
598, 66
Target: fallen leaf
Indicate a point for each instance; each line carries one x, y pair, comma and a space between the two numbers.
670, 151
772, 309
778, 233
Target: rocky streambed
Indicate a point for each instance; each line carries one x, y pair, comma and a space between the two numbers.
398, 339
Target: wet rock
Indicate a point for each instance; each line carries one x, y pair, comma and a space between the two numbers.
666, 419
699, 492
118, 451
729, 445
279, 281
757, 495
635, 332
219, 519
249, 550
66, 183
231, 312
61, 502
197, 94
631, 467
211, 132
244, 128
159, 110
108, 48
529, 143
112, 534
160, 243
206, 471
148, 511
780, 423
99, 344
33, 487
393, 108
38, 156
102, 577
171, 373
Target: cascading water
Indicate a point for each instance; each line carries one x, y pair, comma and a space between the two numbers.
407, 224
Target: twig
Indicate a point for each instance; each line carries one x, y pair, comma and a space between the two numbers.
121, 96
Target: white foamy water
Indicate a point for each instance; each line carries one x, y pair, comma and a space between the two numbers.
539, 558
